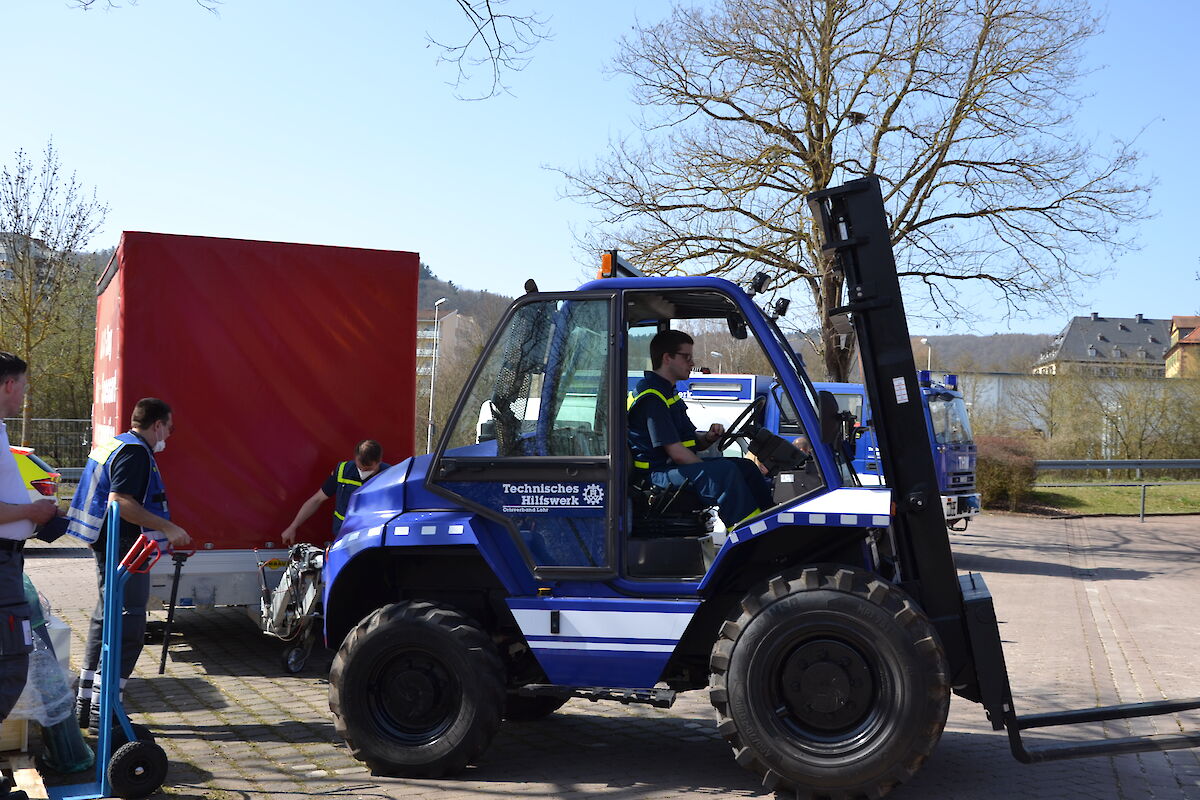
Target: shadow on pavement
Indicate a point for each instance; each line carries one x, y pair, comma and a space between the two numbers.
985, 564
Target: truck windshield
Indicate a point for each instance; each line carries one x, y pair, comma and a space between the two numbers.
949, 418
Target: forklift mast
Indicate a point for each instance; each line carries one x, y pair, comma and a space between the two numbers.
854, 224
855, 230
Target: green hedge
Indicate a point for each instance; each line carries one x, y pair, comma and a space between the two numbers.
1005, 472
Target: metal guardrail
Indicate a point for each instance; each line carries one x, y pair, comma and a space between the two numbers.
1129, 463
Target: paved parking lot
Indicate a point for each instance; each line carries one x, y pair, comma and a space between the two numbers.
1094, 611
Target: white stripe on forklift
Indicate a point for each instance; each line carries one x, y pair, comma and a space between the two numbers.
620, 647
596, 624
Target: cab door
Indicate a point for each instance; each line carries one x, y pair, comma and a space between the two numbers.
530, 442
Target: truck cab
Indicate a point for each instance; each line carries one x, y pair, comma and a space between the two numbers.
948, 427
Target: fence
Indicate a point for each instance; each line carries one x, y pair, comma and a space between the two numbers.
1136, 464
61, 442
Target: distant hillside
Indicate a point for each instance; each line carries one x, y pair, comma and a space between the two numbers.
484, 307
999, 352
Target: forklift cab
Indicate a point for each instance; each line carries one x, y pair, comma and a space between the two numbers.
538, 440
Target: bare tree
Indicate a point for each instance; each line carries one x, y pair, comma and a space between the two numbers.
962, 107
46, 219
86, 5
498, 42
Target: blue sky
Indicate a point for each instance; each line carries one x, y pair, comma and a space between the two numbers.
332, 123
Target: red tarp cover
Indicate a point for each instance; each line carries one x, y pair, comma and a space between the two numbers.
276, 358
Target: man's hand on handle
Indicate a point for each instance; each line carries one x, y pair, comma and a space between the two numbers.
176, 535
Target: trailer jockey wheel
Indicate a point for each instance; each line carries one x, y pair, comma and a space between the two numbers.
137, 769
296, 656
834, 684
417, 690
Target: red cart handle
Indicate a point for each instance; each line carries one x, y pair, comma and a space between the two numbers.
141, 552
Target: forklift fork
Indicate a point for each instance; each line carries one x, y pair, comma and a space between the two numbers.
996, 696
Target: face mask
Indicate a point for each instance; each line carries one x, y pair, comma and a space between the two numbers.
160, 445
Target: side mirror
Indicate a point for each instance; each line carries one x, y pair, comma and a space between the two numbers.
737, 327
831, 420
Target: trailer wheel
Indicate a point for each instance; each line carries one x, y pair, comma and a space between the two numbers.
518, 708
830, 682
416, 690
137, 769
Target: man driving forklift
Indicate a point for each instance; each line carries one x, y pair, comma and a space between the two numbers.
662, 438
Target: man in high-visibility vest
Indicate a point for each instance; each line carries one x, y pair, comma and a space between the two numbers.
341, 483
663, 438
123, 469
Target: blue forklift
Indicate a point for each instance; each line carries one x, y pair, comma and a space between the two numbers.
498, 579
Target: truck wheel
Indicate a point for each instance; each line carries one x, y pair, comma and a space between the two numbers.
518, 708
831, 683
416, 689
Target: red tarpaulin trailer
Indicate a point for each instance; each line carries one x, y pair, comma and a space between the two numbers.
276, 358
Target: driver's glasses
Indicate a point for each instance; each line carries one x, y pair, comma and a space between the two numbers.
688, 357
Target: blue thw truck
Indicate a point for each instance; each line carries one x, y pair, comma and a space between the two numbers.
500, 578
948, 428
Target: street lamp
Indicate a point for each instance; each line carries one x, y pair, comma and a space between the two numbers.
437, 339
929, 356
718, 357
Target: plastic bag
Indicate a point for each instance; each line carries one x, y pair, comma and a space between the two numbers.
47, 697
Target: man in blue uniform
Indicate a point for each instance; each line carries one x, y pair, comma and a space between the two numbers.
662, 436
123, 469
341, 483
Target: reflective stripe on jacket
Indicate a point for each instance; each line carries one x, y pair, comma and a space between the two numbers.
645, 454
346, 486
88, 506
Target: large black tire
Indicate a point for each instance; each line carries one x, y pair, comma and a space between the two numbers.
527, 709
416, 690
830, 683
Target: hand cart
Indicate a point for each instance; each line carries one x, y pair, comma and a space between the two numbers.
129, 763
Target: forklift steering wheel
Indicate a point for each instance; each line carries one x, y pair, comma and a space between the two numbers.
744, 425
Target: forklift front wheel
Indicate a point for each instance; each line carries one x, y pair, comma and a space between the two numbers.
137, 769
830, 681
417, 689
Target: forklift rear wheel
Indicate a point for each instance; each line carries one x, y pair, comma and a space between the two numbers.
518, 708
137, 769
417, 690
830, 683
